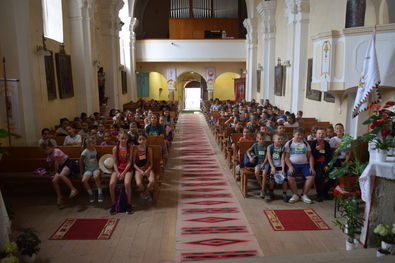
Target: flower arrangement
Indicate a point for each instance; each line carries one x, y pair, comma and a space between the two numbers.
9, 249
385, 233
104, 100
382, 125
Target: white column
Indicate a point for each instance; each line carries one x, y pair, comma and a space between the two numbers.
251, 24
267, 10
298, 17
210, 93
171, 92
111, 27
133, 85
84, 81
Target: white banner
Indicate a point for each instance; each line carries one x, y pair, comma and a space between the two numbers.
369, 81
171, 74
210, 74
10, 106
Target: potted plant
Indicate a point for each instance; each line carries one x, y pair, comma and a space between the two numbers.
386, 237
383, 128
348, 206
349, 172
28, 243
104, 101
7, 256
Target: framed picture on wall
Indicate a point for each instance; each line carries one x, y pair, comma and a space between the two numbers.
65, 76
123, 81
328, 97
310, 93
278, 80
50, 76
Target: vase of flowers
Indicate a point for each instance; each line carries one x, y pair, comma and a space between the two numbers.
383, 128
386, 236
8, 255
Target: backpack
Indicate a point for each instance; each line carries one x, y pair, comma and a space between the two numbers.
122, 200
246, 160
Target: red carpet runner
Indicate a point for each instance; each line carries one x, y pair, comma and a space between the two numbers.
210, 221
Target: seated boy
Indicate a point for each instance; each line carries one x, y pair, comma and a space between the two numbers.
258, 149
322, 153
299, 159
281, 131
276, 165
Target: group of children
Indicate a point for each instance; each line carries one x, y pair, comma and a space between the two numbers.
127, 160
283, 159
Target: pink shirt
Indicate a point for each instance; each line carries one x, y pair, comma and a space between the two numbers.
57, 153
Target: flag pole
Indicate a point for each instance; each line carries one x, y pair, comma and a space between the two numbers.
6, 103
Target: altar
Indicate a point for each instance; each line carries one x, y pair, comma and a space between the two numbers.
378, 192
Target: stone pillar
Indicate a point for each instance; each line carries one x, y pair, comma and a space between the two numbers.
298, 18
111, 27
267, 10
251, 24
84, 76
171, 93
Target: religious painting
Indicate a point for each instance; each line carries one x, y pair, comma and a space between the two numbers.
65, 76
328, 97
123, 81
258, 81
50, 76
279, 80
310, 93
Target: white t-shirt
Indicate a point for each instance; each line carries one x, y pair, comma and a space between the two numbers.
72, 140
82, 133
286, 124
60, 130
297, 152
333, 143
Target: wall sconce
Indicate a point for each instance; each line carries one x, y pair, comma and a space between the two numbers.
97, 63
245, 72
260, 68
286, 63
160, 90
42, 52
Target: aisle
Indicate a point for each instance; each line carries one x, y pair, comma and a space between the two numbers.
210, 221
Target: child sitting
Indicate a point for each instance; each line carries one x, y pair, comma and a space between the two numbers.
133, 133
299, 116
101, 127
84, 128
264, 129
114, 128
89, 159
46, 133
281, 131
322, 154
258, 150
77, 123
92, 133
313, 131
61, 131
291, 121
344, 157
299, 159
63, 167
72, 139
276, 165
330, 132
122, 171
107, 139
254, 125
143, 163
168, 131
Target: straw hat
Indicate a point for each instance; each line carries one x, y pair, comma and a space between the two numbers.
106, 163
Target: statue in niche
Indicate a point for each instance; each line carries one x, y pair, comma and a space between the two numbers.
355, 14
102, 81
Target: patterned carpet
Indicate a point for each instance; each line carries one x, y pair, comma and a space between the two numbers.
210, 221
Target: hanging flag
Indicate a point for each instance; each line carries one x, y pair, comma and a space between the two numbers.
10, 106
239, 88
369, 81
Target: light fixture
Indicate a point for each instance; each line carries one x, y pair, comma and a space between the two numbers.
245, 72
286, 63
97, 63
260, 68
42, 52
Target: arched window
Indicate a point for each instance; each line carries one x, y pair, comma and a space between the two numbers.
53, 19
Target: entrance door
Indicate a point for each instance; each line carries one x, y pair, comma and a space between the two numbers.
192, 98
